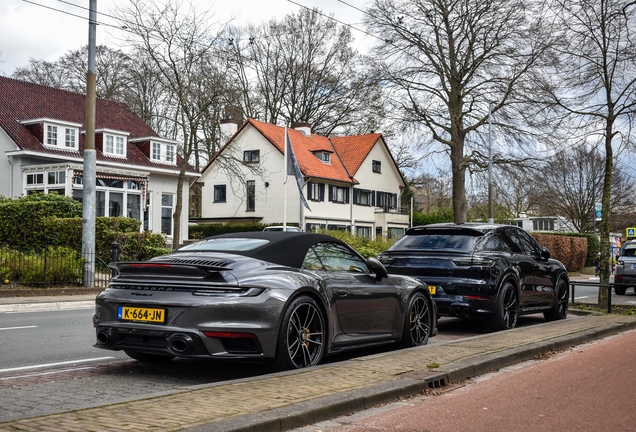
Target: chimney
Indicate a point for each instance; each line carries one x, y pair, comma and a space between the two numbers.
228, 128
305, 128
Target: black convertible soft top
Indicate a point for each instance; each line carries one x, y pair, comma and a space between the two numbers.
283, 247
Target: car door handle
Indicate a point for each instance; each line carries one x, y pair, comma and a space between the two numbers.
342, 293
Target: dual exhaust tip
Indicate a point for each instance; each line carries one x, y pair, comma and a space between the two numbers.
178, 343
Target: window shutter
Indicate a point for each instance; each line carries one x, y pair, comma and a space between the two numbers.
321, 188
347, 195
394, 204
373, 198
309, 190
355, 196
331, 193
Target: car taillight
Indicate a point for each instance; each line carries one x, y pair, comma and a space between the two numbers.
475, 262
229, 335
470, 297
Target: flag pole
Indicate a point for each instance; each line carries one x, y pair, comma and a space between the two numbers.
285, 182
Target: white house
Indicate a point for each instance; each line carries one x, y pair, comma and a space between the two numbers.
351, 182
41, 150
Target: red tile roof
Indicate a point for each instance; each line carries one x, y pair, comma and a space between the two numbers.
21, 101
309, 163
354, 149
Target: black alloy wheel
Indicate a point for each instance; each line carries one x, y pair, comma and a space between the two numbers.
418, 322
560, 309
301, 336
147, 357
507, 312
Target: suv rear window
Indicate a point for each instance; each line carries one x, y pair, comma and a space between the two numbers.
438, 242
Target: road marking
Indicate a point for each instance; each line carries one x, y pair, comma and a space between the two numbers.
46, 373
55, 364
17, 328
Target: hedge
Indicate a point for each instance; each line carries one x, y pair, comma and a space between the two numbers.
571, 250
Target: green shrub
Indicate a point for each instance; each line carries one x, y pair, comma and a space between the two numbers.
56, 264
365, 247
21, 219
435, 215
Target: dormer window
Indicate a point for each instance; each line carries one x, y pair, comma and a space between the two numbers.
55, 133
324, 156
163, 153
113, 143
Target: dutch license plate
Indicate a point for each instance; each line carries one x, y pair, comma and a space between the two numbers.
151, 315
432, 289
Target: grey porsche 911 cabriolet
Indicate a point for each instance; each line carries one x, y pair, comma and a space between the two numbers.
285, 296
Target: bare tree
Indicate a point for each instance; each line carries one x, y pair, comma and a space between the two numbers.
573, 184
447, 60
49, 74
303, 68
181, 42
594, 84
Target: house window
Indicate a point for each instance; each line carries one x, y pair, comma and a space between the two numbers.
56, 177
395, 233
115, 204
35, 179
133, 206
386, 200
156, 151
338, 194
219, 193
363, 231
114, 145
363, 197
326, 157
51, 135
315, 191
166, 213
376, 166
170, 153
251, 156
70, 139
251, 195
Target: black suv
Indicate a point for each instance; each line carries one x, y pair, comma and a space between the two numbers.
486, 271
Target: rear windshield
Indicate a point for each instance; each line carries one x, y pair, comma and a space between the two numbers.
629, 252
225, 244
438, 242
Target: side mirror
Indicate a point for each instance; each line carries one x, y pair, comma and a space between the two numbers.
545, 253
378, 268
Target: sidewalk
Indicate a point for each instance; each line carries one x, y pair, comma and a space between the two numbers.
282, 401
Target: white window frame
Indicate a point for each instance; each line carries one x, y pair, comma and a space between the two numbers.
70, 138
163, 153
114, 145
51, 135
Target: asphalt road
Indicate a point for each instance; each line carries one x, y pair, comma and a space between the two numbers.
48, 364
587, 388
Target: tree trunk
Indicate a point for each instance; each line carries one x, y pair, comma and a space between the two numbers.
603, 291
459, 179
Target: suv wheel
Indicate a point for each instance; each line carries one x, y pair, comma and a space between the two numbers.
505, 316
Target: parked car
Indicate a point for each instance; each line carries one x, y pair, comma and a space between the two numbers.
282, 228
290, 297
625, 273
482, 271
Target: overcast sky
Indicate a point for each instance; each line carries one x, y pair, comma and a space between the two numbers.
47, 29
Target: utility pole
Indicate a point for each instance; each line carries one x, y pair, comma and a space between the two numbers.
490, 212
90, 157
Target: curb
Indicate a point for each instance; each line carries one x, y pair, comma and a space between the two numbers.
328, 407
44, 307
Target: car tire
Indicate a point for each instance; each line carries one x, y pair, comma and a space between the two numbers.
418, 321
560, 309
619, 290
148, 358
302, 335
507, 311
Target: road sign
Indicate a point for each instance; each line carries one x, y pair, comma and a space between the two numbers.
630, 232
598, 214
